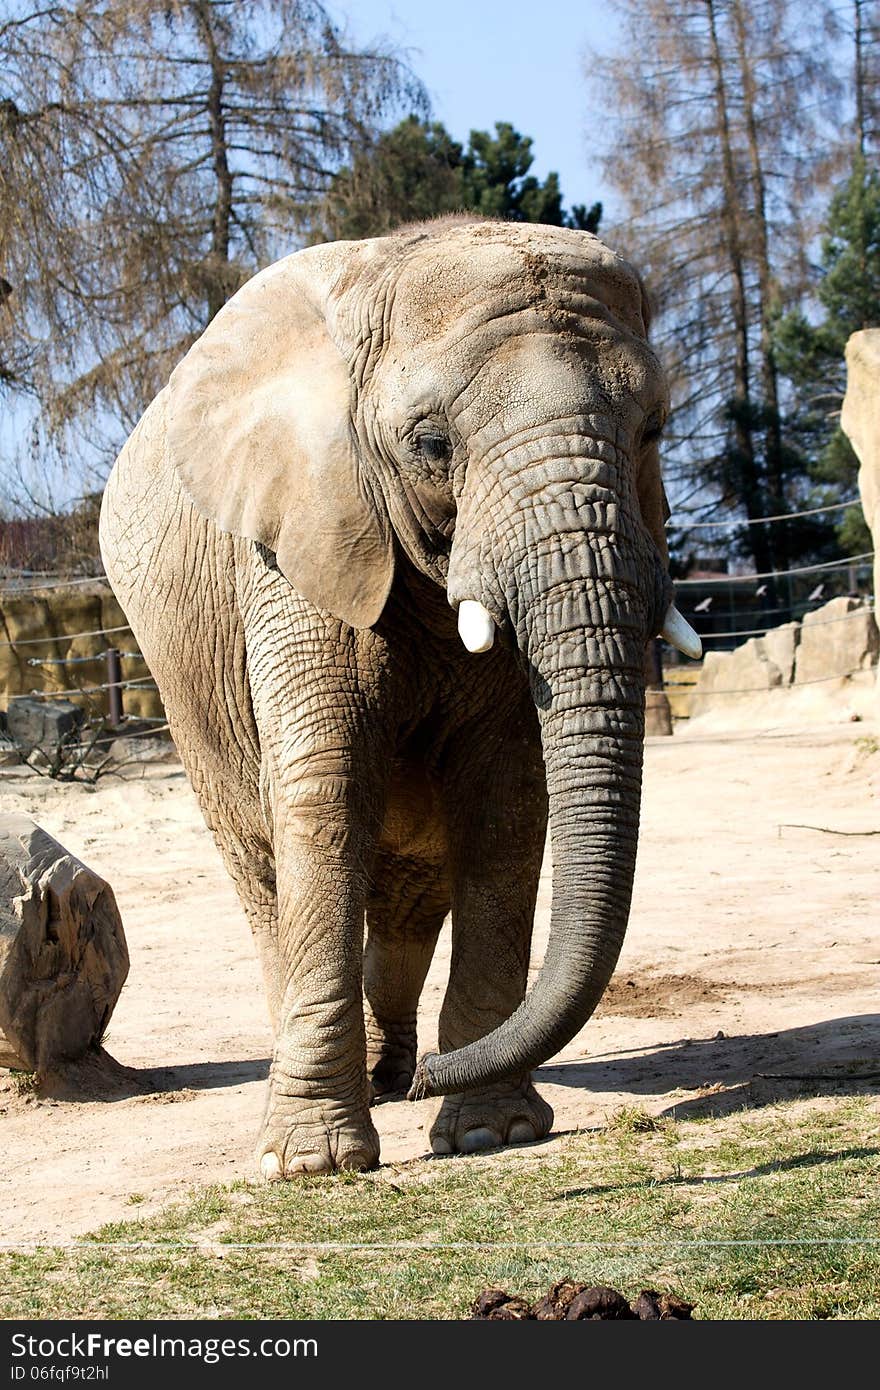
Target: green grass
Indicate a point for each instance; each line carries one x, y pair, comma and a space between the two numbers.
804, 1171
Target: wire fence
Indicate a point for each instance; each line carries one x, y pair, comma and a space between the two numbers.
826, 567
13, 588
114, 717
762, 631
144, 684
64, 637
687, 525
115, 685
692, 688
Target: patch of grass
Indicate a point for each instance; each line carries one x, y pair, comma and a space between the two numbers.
868, 744
134, 1199
630, 1119
763, 1214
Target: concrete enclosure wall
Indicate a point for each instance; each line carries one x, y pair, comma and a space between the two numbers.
46, 625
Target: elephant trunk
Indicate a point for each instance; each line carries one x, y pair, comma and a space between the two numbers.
584, 641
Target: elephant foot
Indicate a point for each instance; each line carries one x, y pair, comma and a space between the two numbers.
310, 1139
508, 1113
391, 1062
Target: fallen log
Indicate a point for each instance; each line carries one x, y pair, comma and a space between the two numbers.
63, 956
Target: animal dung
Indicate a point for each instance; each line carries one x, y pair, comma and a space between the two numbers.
567, 1301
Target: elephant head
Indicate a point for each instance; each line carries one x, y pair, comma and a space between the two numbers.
481, 399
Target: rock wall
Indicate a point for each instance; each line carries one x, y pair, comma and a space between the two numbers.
860, 420
830, 644
56, 617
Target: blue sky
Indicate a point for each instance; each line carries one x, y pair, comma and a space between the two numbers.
502, 60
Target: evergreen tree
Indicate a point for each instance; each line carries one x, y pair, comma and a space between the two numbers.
715, 152
417, 171
405, 175
811, 354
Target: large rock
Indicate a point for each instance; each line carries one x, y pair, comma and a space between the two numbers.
759, 665
860, 420
779, 647
63, 957
42, 723
836, 639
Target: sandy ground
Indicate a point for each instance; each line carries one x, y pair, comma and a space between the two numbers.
753, 948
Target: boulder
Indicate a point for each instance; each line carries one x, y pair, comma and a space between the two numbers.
836, 639
860, 420
42, 723
63, 955
748, 669
779, 647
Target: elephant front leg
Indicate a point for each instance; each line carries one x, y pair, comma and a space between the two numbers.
317, 1115
496, 849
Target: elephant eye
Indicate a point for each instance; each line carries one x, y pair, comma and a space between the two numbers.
432, 444
653, 427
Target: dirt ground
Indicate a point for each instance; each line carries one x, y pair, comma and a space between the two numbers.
753, 948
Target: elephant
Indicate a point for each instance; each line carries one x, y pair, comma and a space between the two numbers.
391, 541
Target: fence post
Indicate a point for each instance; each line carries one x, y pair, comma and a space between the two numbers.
114, 682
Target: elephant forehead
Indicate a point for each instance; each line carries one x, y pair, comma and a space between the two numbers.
512, 374
451, 286
539, 377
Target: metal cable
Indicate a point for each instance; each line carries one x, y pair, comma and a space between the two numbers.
81, 660
780, 574
693, 687
760, 631
762, 520
65, 636
13, 592
142, 684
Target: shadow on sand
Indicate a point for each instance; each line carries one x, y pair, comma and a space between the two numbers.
99, 1077
837, 1056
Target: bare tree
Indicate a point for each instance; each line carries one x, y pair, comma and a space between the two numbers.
865, 18
717, 151
153, 155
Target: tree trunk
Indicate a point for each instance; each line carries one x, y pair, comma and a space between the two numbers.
222, 216
777, 539
742, 405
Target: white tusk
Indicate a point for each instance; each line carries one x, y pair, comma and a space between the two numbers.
476, 627
679, 634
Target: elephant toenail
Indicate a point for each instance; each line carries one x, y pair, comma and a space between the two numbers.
441, 1145
298, 1164
355, 1161
480, 1139
521, 1132
270, 1167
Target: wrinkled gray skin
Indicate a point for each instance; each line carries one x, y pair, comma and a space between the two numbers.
367, 434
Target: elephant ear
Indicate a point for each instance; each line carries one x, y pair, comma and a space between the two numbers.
260, 434
653, 503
